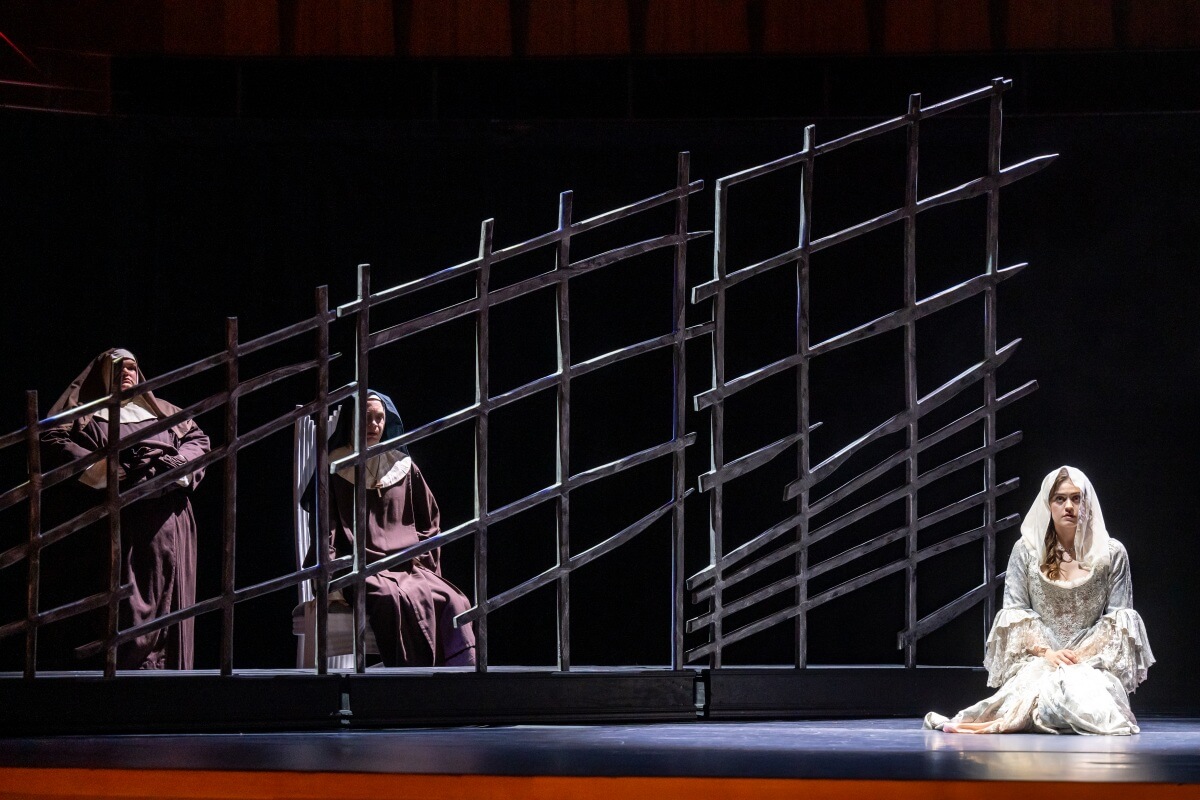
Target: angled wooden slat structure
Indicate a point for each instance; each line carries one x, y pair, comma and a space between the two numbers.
701, 605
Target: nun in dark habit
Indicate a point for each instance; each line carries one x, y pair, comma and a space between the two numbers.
158, 533
410, 607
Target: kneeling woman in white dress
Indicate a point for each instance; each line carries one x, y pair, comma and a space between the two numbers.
1067, 648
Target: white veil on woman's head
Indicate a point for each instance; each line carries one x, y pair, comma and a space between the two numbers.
1091, 536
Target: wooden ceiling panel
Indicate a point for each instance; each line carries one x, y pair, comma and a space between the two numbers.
699, 27
812, 26
460, 28
578, 28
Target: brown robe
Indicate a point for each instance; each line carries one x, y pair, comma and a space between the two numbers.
158, 533
411, 607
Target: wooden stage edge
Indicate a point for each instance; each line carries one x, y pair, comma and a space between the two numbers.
196, 702
70, 784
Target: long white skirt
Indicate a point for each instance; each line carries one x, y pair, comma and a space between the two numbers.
1077, 698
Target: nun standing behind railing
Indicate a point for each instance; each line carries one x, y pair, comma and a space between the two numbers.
158, 533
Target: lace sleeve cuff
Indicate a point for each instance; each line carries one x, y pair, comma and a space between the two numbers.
1120, 644
1016, 635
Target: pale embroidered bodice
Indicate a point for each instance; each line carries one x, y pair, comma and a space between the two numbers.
1069, 609
1092, 615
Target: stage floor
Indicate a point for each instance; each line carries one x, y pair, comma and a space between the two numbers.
735, 759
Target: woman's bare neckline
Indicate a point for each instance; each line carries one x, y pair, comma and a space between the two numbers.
1081, 577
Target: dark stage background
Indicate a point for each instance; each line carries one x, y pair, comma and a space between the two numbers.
145, 231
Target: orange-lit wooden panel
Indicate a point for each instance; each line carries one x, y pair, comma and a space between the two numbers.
88, 25
343, 28
250, 29
97, 784
815, 26
1066, 24
1032, 24
460, 28
601, 27
1164, 23
675, 27
365, 29
192, 27
936, 26
136, 29
963, 26
578, 28
910, 26
315, 27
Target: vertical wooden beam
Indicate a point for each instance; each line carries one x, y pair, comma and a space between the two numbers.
803, 389
362, 341
910, 372
716, 500
112, 504
229, 538
482, 398
995, 124
563, 462
321, 465
679, 410
34, 464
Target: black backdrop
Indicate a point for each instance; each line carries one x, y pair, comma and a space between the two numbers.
146, 231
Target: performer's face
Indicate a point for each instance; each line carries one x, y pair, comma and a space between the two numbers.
375, 421
127, 374
1066, 504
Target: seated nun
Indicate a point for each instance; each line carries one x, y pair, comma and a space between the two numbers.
410, 607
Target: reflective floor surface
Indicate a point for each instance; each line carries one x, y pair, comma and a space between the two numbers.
1167, 751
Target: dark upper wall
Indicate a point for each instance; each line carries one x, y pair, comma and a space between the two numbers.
70, 54
506, 28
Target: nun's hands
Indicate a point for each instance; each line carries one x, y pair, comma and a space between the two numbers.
172, 461
1061, 658
160, 454
147, 452
147, 459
